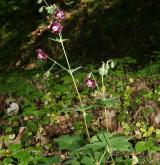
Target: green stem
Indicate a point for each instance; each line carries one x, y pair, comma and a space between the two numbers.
100, 160
45, 2
103, 92
45, 84
105, 109
75, 85
95, 82
51, 67
65, 54
38, 124
69, 67
57, 63
105, 151
46, 73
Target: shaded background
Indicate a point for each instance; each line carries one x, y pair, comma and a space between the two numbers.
95, 29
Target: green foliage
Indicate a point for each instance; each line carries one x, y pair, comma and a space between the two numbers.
111, 102
17, 85
68, 142
62, 99
49, 161
141, 146
25, 156
98, 144
117, 143
148, 145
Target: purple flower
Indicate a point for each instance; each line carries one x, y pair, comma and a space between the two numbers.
90, 83
59, 14
56, 27
41, 54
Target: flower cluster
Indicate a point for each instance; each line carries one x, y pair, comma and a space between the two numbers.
56, 26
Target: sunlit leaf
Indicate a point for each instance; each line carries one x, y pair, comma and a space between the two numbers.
141, 146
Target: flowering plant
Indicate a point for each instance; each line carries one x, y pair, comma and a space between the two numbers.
56, 27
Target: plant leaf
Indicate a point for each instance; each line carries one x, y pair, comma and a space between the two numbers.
120, 143
141, 146
87, 160
68, 142
14, 147
58, 40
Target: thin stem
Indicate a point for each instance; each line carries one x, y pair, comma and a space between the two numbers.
65, 54
69, 67
85, 123
105, 109
57, 63
103, 91
100, 160
95, 82
83, 111
105, 151
75, 85
47, 76
51, 67
21, 122
38, 123
105, 112
47, 84
45, 2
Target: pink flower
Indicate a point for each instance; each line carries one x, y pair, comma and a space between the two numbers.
90, 83
56, 27
59, 14
41, 54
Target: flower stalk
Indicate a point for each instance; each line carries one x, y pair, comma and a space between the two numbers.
75, 85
